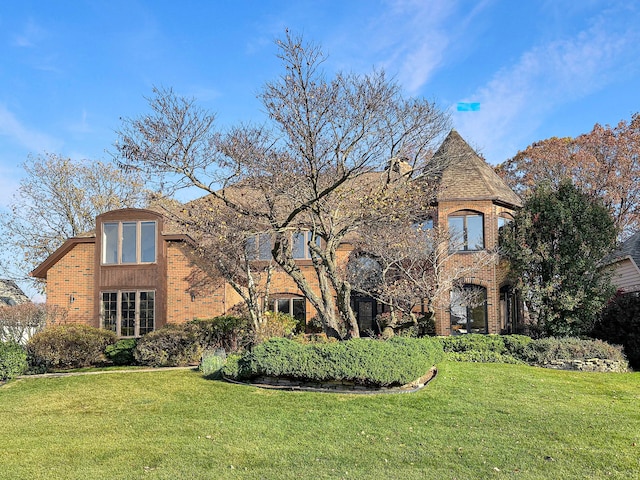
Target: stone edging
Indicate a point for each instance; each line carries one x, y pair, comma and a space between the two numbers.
587, 365
274, 383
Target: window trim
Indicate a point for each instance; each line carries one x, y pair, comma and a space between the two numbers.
469, 310
307, 236
137, 311
120, 241
273, 303
463, 246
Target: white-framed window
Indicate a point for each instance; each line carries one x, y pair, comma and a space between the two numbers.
294, 306
300, 242
258, 247
466, 231
128, 313
128, 242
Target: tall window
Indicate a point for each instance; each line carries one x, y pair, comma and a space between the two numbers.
128, 242
466, 231
468, 309
128, 313
503, 220
300, 242
258, 247
294, 306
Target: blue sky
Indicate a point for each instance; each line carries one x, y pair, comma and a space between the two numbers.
69, 70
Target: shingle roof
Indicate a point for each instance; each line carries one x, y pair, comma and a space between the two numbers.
629, 248
11, 293
466, 176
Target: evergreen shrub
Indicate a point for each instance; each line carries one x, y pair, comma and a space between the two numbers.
121, 352
68, 346
169, 346
13, 360
362, 361
212, 362
544, 350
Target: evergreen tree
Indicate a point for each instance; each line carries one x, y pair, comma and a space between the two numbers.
554, 246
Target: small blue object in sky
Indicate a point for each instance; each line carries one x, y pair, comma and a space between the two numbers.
468, 106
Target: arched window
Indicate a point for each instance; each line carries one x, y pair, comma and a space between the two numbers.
466, 230
468, 309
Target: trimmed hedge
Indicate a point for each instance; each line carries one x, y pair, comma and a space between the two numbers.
13, 360
485, 348
522, 349
374, 363
68, 346
169, 346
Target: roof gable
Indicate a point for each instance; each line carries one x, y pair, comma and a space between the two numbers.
466, 176
11, 294
630, 248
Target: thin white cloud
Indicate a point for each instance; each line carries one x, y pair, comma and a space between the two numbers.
31, 35
417, 35
518, 98
31, 140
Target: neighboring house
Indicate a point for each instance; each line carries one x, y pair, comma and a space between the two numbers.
11, 294
134, 276
625, 261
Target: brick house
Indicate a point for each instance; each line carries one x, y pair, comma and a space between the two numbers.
133, 276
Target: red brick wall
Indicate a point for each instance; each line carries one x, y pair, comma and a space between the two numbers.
70, 284
491, 276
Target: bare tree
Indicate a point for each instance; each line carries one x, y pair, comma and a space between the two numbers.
306, 169
409, 265
223, 249
59, 198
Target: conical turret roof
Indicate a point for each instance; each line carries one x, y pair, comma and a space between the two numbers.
465, 176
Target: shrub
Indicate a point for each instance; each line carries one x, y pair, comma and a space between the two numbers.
478, 356
313, 338
121, 352
13, 360
516, 344
228, 332
474, 342
68, 346
545, 350
365, 362
212, 362
620, 324
276, 324
427, 326
170, 346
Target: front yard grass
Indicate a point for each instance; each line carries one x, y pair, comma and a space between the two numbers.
472, 421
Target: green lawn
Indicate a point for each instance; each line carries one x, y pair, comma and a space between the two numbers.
473, 421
